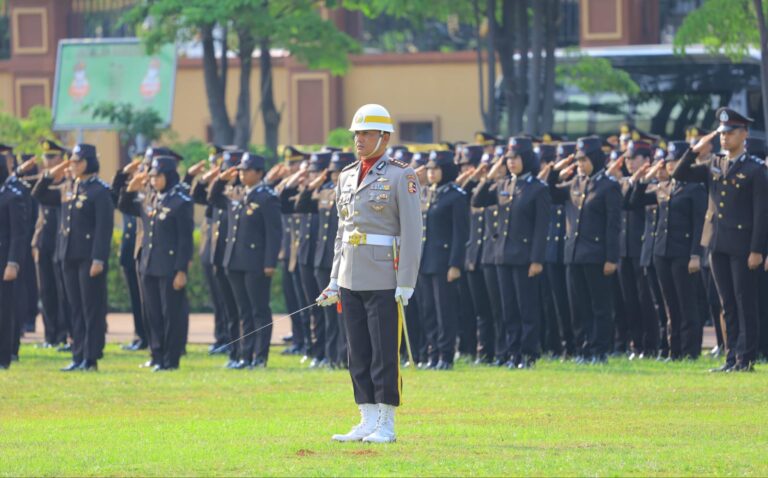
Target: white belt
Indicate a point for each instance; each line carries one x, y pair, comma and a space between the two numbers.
357, 238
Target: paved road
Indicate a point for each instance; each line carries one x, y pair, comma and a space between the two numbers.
201, 330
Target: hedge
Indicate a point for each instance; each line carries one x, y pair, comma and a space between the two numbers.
197, 289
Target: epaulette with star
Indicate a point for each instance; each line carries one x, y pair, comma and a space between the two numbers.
398, 163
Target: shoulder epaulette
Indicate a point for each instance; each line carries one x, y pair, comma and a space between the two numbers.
353, 165
757, 160
398, 163
100, 181
459, 189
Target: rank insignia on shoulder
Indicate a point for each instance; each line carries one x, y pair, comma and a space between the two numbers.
398, 163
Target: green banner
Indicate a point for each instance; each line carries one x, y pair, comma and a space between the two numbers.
89, 72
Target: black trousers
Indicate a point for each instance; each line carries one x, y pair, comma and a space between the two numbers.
373, 332
316, 317
305, 316
520, 302
132, 280
762, 345
29, 276
555, 286
230, 310
679, 291
166, 308
737, 287
467, 325
715, 310
292, 304
482, 306
590, 294
88, 298
53, 298
251, 291
220, 330
659, 309
441, 310
7, 319
500, 344
335, 339
619, 318
642, 323
417, 325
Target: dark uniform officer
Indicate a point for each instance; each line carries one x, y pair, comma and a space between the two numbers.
524, 210
219, 239
200, 196
593, 223
483, 329
253, 244
681, 208
447, 230
166, 253
14, 219
85, 237
291, 277
554, 269
56, 312
642, 326
736, 229
322, 201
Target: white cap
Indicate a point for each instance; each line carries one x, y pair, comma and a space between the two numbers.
372, 117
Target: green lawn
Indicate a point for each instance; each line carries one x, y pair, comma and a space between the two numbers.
627, 418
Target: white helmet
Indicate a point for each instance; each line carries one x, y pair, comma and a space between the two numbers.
372, 117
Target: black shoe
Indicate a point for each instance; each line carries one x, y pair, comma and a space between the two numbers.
498, 363
73, 366
598, 360
748, 366
443, 365
634, 356
315, 363
14, 358
287, 338
726, 367
222, 349
64, 348
5, 366
526, 363
164, 368
232, 363
89, 366
259, 363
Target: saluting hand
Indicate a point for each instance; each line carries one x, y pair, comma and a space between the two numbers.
545, 171
59, 170
567, 172
137, 182
318, 181
197, 168
615, 168
229, 174
563, 163
653, 171
704, 141
132, 167
497, 170
210, 175
180, 280
27, 165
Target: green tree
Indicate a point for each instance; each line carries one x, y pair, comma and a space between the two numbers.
730, 28
594, 75
25, 134
245, 26
136, 128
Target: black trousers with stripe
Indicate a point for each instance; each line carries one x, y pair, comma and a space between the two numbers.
373, 335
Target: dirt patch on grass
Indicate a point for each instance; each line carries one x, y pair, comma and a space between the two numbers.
304, 452
364, 453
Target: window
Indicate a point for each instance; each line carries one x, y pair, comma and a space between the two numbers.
417, 131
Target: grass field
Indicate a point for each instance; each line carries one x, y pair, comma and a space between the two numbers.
626, 418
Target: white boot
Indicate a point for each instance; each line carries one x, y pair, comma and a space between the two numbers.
367, 425
385, 426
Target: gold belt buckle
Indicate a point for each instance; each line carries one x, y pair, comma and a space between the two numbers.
356, 238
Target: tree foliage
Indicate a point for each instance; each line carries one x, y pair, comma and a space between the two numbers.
128, 121
25, 134
726, 27
596, 75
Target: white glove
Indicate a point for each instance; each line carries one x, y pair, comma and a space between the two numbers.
330, 295
403, 294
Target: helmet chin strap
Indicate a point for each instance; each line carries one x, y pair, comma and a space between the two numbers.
378, 144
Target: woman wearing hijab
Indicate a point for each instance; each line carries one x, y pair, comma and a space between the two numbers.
166, 252
87, 219
445, 237
524, 210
